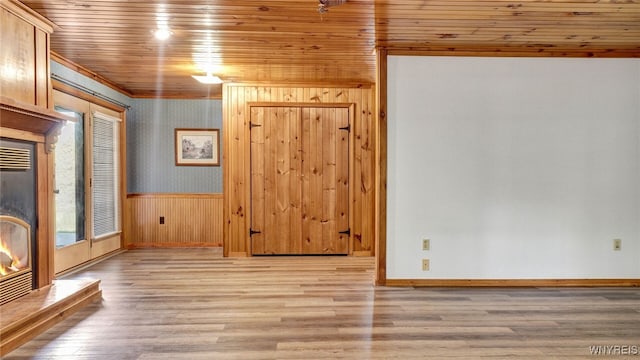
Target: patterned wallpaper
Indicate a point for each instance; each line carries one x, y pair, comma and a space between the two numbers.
150, 146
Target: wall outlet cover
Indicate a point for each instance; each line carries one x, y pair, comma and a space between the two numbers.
425, 264
617, 244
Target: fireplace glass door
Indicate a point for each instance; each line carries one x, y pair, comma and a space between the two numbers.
16, 278
70, 182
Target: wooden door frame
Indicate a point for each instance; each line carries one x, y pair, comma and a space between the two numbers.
380, 169
247, 160
91, 248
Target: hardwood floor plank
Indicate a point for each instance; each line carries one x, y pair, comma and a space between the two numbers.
195, 304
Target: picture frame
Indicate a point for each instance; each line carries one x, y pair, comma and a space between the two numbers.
197, 147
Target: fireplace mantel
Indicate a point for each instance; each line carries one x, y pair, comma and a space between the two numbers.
39, 125
32, 119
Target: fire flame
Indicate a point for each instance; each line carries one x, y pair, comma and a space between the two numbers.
13, 262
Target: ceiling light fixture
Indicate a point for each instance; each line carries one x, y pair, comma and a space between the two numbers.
208, 79
162, 33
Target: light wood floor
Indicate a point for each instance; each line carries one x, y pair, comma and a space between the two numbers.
194, 304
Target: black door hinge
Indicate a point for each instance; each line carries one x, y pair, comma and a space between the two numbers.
346, 232
347, 128
252, 232
252, 125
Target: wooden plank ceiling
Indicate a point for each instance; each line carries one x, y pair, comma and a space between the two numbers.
290, 41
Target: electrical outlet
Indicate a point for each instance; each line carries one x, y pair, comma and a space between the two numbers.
425, 264
617, 244
426, 244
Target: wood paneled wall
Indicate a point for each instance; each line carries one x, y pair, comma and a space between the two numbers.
190, 220
24, 36
236, 145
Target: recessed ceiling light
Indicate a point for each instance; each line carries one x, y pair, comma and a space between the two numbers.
208, 79
162, 34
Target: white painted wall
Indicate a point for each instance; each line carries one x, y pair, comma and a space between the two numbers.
514, 168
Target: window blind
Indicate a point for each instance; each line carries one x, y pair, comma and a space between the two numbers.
105, 174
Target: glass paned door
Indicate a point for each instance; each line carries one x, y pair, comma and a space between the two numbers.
70, 182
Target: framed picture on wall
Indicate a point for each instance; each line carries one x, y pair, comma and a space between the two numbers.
197, 147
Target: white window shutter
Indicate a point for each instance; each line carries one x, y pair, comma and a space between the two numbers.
105, 174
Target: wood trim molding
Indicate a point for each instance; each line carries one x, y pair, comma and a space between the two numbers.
238, 254
226, 179
361, 253
176, 195
513, 282
344, 105
294, 84
381, 168
122, 195
64, 88
213, 96
619, 52
88, 73
170, 245
21, 135
28, 117
26, 13
46, 215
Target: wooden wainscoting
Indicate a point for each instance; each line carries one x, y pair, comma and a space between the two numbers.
190, 220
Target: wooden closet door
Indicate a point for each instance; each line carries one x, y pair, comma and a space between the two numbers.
299, 180
275, 180
325, 181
